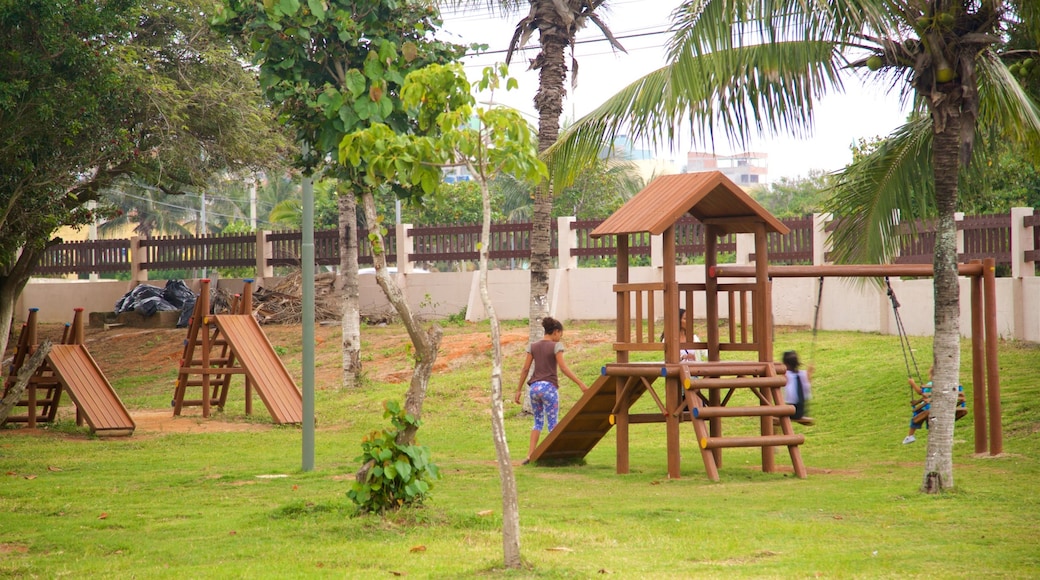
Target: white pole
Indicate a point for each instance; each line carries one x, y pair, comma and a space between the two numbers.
252, 203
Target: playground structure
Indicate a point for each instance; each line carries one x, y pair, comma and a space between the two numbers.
221, 346
738, 319
68, 367
723, 208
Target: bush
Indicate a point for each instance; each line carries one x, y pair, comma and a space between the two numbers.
396, 475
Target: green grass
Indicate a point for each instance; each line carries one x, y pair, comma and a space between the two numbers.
194, 505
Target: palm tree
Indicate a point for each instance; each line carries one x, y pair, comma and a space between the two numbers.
738, 68
147, 210
557, 22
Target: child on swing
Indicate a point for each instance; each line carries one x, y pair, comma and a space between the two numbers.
798, 391
921, 407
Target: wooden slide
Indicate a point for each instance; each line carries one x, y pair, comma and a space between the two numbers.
95, 400
588, 421
263, 369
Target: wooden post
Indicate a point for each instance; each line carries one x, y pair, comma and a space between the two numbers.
623, 310
711, 301
671, 351
76, 333
762, 329
203, 311
989, 284
623, 336
245, 306
978, 364
621, 422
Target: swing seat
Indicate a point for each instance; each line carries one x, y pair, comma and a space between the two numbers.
922, 407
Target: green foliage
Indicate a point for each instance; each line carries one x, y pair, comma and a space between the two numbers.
794, 197
439, 100
397, 475
336, 66
288, 213
91, 91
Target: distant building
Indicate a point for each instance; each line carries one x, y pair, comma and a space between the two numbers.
744, 169
644, 160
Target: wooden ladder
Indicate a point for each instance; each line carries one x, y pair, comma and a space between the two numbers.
208, 361
706, 413
43, 395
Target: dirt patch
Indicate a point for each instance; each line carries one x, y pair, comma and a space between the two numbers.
159, 422
13, 549
126, 351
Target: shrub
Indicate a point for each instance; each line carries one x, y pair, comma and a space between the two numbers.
393, 475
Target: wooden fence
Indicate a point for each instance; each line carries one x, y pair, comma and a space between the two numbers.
439, 246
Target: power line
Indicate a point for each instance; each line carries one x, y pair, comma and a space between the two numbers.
576, 42
194, 210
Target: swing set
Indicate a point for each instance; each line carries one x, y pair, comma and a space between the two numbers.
919, 405
989, 439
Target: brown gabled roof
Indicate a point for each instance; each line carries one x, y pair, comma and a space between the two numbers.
708, 196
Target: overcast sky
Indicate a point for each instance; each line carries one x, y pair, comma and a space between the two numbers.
642, 27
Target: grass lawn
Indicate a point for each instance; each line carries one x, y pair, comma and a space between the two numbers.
216, 502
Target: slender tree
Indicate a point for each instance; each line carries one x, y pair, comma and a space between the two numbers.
739, 67
500, 143
334, 67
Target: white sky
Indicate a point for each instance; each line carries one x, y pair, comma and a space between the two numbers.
840, 118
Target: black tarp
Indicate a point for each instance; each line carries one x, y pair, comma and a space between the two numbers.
147, 300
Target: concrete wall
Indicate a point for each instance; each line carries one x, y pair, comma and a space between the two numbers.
585, 294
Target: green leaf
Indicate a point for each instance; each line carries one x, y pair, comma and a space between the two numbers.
317, 8
363, 108
404, 469
288, 7
373, 68
355, 82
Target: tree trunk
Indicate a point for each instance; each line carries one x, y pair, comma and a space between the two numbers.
510, 503
24, 374
552, 74
424, 341
347, 286
11, 286
938, 473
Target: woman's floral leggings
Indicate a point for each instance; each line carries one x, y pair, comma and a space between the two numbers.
545, 403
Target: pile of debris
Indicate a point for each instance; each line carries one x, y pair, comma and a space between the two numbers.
283, 303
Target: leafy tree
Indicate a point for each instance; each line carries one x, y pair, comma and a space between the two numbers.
91, 91
736, 67
794, 197
501, 143
450, 203
334, 67
289, 212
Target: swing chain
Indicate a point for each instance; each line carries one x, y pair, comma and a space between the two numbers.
904, 339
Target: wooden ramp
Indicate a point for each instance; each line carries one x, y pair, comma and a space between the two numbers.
588, 421
95, 400
263, 369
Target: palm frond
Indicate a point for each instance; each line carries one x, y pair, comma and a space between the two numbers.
1004, 105
736, 92
873, 196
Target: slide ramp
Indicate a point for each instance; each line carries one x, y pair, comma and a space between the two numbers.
263, 368
586, 423
81, 377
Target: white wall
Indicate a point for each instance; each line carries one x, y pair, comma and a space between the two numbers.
586, 294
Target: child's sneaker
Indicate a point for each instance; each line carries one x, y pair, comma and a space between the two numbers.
909, 439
